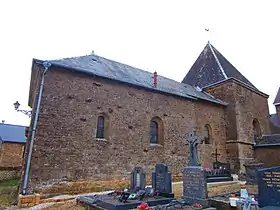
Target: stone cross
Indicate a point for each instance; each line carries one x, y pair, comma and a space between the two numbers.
193, 140
216, 154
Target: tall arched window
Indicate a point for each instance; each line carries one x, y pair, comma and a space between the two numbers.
207, 134
100, 130
156, 131
256, 129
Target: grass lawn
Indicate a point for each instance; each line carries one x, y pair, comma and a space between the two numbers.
9, 183
8, 191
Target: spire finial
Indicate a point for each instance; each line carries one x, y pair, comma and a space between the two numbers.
207, 31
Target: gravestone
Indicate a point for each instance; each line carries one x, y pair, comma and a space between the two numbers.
137, 179
252, 172
162, 181
269, 186
194, 177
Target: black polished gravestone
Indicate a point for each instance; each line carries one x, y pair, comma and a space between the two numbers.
195, 186
137, 179
269, 187
194, 177
162, 181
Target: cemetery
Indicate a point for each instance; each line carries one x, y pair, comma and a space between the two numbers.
195, 193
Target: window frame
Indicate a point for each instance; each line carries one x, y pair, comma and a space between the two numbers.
208, 130
159, 131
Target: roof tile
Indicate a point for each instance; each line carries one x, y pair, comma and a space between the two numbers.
12, 133
212, 67
277, 98
98, 66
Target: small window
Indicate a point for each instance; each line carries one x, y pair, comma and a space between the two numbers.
207, 134
154, 132
100, 130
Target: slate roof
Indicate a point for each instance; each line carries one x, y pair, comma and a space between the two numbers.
12, 133
212, 67
94, 65
274, 119
277, 98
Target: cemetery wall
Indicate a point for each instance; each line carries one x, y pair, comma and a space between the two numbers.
268, 155
66, 147
11, 154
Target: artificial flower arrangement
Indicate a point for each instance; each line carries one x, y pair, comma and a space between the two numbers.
207, 169
197, 206
143, 206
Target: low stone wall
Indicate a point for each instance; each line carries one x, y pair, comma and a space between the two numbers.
25, 201
268, 154
7, 173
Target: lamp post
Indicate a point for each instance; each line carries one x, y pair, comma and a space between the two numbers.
26, 112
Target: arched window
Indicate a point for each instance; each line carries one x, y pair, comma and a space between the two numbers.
156, 131
207, 134
256, 129
100, 130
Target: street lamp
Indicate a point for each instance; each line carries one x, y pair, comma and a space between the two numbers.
26, 112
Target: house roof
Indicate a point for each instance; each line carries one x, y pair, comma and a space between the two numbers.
95, 65
277, 98
12, 133
274, 119
212, 67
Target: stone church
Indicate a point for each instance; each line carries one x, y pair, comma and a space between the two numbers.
95, 119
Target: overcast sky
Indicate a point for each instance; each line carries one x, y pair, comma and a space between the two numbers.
166, 36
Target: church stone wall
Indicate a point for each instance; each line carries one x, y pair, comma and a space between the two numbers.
66, 147
244, 106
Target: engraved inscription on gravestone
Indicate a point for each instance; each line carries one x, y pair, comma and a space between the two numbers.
161, 179
194, 177
269, 186
194, 183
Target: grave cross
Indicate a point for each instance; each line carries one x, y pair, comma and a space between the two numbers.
216, 154
193, 140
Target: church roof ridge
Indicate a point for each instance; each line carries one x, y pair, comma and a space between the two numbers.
211, 67
277, 98
217, 60
95, 65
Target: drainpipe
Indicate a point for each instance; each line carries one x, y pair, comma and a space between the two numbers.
27, 168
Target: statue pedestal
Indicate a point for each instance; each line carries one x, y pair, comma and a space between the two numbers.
195, 186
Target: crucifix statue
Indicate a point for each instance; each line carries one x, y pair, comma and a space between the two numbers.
193, 140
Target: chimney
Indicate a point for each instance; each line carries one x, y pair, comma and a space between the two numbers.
155, 79
277, 104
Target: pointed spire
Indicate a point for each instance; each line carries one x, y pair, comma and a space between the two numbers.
217, 60
211, 67
277, 98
